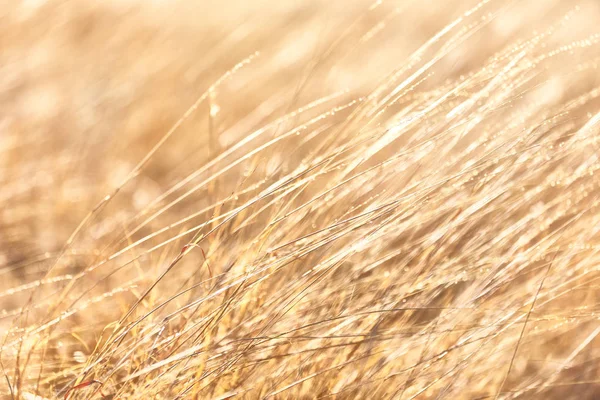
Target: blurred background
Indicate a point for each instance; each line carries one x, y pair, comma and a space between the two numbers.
88, 88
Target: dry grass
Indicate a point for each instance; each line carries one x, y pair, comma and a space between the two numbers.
320, 199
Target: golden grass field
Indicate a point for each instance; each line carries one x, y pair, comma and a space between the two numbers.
299, 199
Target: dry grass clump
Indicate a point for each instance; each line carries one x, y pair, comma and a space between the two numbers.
299, 199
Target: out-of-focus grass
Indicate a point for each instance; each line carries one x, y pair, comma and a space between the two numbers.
299, 199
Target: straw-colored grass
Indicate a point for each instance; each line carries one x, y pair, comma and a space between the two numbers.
289, 199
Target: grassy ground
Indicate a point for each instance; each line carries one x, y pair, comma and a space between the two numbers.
299, 199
